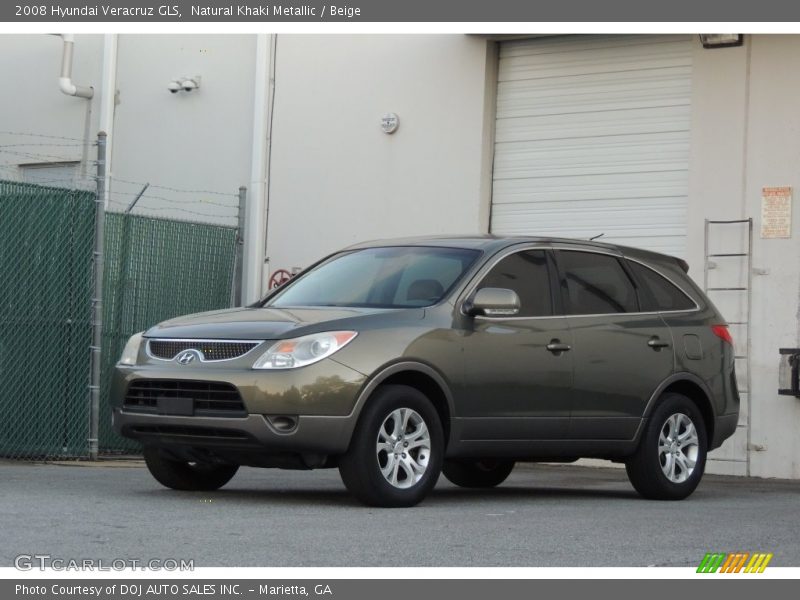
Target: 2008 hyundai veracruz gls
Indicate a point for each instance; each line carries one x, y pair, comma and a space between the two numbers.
398, 360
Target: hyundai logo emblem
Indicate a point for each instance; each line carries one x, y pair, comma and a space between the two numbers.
187, 357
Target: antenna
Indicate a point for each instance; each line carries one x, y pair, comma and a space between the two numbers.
596, 237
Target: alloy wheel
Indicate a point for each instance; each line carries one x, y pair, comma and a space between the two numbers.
403, 448
678, 448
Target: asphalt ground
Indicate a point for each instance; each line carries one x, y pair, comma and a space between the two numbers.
542, 516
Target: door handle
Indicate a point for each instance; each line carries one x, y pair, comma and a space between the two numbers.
556, 347
657, 344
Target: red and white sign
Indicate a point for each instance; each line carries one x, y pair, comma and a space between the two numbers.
776, 212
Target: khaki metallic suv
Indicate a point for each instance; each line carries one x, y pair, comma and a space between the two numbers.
395, 361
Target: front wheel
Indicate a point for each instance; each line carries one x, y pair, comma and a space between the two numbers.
482, 473
395, 456
672, 453
186, 476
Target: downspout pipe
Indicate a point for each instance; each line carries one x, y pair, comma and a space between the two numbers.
65, 80
108, 103
255, 265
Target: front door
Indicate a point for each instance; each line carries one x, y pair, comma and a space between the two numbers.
518, 370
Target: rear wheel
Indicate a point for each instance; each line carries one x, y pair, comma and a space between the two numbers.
477, 473
187, 476
672, 453
395, 456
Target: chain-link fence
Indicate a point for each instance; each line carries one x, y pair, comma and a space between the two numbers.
46, 236
154, 269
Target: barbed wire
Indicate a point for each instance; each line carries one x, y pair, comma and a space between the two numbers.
83, 181
142, 211
173, 189
43, 135
195, 216
40, 155
26, 144
172, 200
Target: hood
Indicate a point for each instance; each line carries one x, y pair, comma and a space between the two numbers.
260, 323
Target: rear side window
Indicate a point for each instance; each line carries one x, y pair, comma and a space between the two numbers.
664, 295
526, 273
596, 284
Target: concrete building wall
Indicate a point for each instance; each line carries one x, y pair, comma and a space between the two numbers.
337, 179
32, 103
716, 180
773, 159
198, 140
185, 141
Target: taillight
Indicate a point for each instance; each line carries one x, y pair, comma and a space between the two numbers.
721, 331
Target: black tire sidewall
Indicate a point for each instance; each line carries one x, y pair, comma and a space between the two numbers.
656, 484
360, 468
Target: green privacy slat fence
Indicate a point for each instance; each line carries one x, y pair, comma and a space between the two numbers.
46, 238
156, 269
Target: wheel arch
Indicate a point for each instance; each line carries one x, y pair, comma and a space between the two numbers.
421, 377
693, 388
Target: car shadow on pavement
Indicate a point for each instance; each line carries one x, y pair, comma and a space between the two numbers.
447, 496
516, 493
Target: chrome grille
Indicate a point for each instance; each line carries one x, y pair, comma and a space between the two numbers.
211, 350
210, 398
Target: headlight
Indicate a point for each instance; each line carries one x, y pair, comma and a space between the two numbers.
131, 351
302, 351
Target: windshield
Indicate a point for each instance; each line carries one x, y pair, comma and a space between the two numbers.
393, 277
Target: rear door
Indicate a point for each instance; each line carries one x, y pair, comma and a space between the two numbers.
621, 353
516, 379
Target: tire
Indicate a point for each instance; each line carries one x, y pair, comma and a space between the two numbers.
185, 476
661, 469
369, 468
477, 473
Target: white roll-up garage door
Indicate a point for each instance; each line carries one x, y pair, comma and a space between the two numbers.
592, 138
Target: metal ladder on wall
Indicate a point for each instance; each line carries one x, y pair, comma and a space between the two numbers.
724, 292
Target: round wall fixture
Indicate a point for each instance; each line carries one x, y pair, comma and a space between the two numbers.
390, 122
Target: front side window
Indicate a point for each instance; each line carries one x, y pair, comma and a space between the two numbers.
390, 277
596, 284
526, 273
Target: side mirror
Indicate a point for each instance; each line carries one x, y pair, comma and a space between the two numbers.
494, 302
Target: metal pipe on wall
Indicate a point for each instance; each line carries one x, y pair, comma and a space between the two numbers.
108, 103
65, 79
256, 211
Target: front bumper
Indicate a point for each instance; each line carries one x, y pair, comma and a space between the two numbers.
317, 434
320, 398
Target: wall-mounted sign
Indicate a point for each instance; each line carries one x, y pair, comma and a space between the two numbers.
776, 212
390, 122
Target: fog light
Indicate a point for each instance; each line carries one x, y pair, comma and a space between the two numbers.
282, 423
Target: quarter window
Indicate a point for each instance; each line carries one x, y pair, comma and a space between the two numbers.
596, 284
526, 273
664, 295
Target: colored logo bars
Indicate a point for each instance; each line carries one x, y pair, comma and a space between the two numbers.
734, 562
